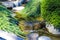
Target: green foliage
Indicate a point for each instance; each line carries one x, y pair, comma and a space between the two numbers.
50, 11
8, 23
31, 10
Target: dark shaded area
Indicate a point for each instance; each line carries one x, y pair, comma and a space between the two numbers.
24, 1
3, 0
10, 8
2, 38
12, 20
53, 7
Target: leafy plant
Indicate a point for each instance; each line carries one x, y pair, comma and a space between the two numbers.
8, 23
31, 10
50, 11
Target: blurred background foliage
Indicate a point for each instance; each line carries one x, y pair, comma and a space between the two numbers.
50, 11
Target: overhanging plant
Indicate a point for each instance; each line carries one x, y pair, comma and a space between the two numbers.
31, 10
50, 11
9, 23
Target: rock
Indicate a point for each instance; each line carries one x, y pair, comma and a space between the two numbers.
44, 38
33, 36
9, 36
52, 29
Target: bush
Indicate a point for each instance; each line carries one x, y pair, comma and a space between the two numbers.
50, 11
31, 10
8, 23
